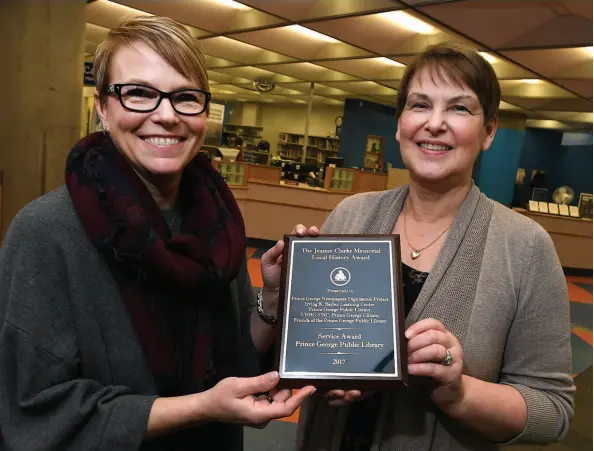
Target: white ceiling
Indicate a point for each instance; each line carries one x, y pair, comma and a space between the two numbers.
364, 47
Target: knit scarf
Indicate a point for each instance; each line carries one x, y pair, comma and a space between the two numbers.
176, 289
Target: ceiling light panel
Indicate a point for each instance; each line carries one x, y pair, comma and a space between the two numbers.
210, 15
110, 14
287, 41
234, 50
301, 32
409, 22
214, 62
567, 116
315, 9
219, 77
375, 33
362, 87
555, 63
375, 68
248, 73
548, 104
389, 62
531, 88
488, 57
544, 123
310, 72
230, 4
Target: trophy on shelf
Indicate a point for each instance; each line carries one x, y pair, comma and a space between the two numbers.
563, 197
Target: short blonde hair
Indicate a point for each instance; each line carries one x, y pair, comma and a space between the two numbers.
464, 66
171, 40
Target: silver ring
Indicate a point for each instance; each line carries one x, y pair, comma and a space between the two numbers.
448, 358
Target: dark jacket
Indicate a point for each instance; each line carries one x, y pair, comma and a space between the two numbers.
72, 371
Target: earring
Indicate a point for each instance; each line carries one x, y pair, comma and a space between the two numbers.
105, 132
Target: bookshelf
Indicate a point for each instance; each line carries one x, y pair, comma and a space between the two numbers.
292, 145
250, 136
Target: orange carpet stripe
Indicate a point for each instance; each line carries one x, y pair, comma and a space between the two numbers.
292, 419
250, 251
583, 333
578, 294
579, 279
255, 272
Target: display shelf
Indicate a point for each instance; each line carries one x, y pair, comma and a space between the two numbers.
234, 173
339, 179
374, 152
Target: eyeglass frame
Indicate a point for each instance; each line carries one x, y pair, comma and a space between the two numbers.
116, 89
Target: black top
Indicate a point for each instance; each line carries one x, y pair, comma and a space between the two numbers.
362, 416
412, 281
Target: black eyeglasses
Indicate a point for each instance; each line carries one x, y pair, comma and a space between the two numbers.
144, 99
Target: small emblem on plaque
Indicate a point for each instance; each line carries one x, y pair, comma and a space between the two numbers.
340, 276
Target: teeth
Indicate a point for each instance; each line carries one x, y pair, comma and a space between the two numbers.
162, 141
434, 147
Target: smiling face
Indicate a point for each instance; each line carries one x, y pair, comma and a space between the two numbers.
159, 143
442, 130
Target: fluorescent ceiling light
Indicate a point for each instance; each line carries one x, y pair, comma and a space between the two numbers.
531, 81
232, 4
223, 91
490, 59
389, 61
590, 50
241, 100
299, 101
312, 34
407, 21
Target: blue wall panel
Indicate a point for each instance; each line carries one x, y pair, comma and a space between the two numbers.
499, 165
365, 118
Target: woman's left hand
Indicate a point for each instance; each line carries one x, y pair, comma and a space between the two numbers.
428, 343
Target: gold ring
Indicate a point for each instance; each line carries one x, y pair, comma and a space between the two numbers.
448, 358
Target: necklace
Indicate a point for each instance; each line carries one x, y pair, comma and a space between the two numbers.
174, 218
416, 253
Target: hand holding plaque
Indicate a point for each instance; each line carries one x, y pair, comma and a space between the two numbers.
341, 317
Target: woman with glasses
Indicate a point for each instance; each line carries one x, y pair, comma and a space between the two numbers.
126, 309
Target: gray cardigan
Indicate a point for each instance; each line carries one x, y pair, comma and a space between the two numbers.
72, 371
497, 285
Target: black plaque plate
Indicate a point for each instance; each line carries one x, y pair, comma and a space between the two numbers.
341, 316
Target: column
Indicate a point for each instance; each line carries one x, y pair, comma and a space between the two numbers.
42, 52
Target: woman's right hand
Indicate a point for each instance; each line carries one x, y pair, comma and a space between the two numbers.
232, 400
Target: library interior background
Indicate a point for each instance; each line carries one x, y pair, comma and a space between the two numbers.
302, 116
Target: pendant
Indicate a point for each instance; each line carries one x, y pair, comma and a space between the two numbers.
415, 254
